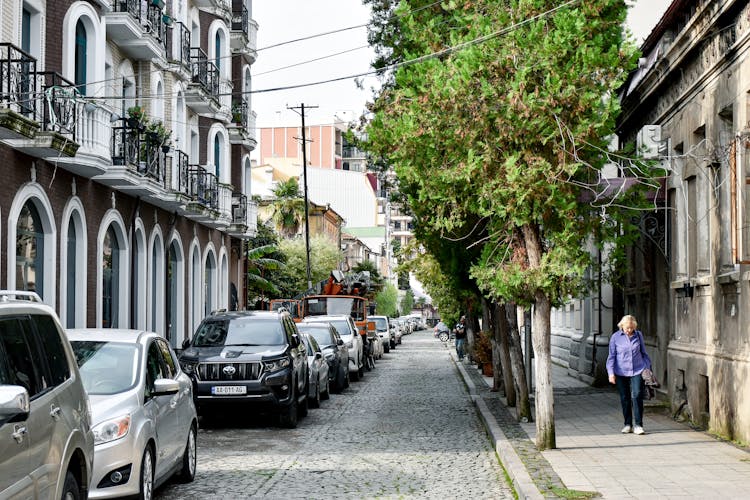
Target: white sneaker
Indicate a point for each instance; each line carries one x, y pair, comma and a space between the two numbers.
627, 429
639, 430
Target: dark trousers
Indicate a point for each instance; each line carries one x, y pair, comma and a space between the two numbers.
631, 398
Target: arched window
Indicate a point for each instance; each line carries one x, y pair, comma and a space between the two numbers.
110, 279
209, 284
195, 290
156, 293
217, 156
30, 250
80, 57
175, 295
70, 271
217, 50
139, 279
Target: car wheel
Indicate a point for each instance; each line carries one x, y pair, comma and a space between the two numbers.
443, 337
70, 487
315, 402
147, 475
288, 416
393, 344
354, 375
189, 458
327, 393
346, 377
387, 347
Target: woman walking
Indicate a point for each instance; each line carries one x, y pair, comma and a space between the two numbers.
626, 361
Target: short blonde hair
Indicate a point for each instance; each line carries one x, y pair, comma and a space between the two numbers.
627, 319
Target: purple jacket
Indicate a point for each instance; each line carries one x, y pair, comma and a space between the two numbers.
627, 355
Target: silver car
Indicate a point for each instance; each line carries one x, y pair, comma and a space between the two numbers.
143, 415
347, 330
46, 443
317, 371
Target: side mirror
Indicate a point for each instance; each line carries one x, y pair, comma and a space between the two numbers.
164, 387
14, 403
185, 343
339, 342
295, 340
318, 355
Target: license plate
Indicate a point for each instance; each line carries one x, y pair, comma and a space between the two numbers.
231, 390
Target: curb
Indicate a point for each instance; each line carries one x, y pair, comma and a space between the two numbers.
520, 478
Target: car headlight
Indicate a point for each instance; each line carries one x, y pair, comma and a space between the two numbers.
188, 368
276, 364
112, 429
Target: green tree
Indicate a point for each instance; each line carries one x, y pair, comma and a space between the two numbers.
503, 134
264, 261
325, 257
407, 302
288, 207
386, 301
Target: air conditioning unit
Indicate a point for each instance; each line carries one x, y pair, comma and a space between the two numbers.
647, 141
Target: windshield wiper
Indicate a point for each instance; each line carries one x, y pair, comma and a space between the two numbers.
241, 345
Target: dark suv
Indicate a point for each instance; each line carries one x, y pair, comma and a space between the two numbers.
249, 357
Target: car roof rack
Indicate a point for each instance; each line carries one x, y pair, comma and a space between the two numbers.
7, 295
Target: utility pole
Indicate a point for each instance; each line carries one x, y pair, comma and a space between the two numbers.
301, 107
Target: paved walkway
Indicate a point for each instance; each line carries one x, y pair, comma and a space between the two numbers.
670, 461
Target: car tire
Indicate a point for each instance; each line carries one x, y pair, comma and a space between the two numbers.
354, 376
393, 344
340, 380
315, 402
387, 347
71, 491
443, 337
288, 417
146, 486
189, 458
346, 378
304, 405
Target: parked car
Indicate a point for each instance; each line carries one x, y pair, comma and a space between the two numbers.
383, 327
250, 358
318, 387
144, 419
334, 350
347, 330
46, 441
443, 332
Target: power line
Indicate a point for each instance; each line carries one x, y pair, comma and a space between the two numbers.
300, 63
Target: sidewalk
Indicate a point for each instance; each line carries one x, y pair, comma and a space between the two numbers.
670, 461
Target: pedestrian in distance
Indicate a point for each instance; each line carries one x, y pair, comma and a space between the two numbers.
460, 332
625, 363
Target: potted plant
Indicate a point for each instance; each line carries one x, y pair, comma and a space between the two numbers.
136, 116
158, 133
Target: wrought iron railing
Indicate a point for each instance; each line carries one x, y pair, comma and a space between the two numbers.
155, 25
240, 20
203, 187
204, 72
139, 151
132, 7
58, 103
178, 45
240, 113
180, 173
17, 80
239, 209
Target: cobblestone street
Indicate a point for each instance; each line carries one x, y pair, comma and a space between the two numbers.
407, 430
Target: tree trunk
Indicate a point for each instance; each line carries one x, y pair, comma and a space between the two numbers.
501, 335
545, 411
540, 339
523, 406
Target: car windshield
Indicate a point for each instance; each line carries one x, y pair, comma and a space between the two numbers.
106, 367
341, 326
321, 335
239, 332
381, 324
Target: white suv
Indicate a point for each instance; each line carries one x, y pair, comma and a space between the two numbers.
46, 443
386, 335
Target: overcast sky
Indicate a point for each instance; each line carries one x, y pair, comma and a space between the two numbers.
284, 20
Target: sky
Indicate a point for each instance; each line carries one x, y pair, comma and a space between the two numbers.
285, 20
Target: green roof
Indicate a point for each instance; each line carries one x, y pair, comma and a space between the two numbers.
365, 232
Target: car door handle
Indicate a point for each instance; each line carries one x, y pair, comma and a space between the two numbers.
19, 431
55, 412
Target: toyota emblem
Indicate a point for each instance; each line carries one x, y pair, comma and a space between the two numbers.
229, 370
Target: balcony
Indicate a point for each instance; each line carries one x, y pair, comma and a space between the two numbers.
138, 162
138, 28
244, 217
41, 110
202, 95
217, 7
242, 128
204, 195
178, 49
244, 37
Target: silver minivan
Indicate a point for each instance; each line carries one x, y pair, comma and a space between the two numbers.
46, 441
